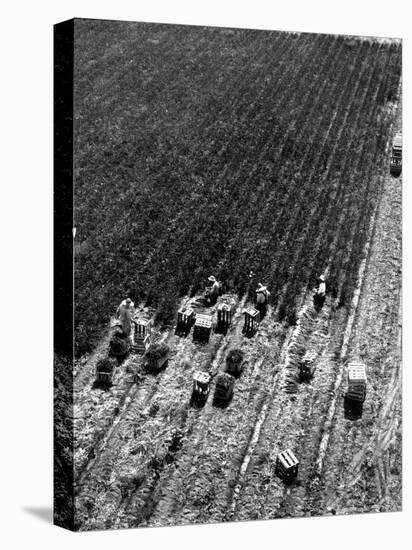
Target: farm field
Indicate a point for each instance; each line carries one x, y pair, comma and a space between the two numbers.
204, 151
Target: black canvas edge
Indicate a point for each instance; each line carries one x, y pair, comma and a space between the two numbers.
63, 48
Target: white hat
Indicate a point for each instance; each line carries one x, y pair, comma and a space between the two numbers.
261, 287
212, 278
322, 277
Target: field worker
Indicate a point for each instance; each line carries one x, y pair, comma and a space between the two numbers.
125, 313
215, 288
321, 291
262, 295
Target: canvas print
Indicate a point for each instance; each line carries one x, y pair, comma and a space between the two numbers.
228, 233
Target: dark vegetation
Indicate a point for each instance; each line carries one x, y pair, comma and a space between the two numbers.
156, 351
201, 150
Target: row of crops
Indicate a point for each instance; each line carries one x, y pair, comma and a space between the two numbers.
203, 152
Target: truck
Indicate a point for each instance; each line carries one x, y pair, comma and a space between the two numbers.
396, 156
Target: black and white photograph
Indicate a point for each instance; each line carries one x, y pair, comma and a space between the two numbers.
205, 228
237, 207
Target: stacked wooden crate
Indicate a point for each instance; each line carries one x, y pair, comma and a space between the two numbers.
142, 334
185, 317
203, 327
356, 382
252, 319
224, 314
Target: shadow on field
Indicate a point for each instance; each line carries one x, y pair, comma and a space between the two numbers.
183, 332
99, 385
221, 329
219, 404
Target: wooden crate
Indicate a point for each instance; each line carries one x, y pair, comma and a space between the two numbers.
104, 377
357, 381
224, 314
356, 394
252, 319
104, 372
287, 466
141, 344
142, 327
203, 327
185, 317
357, 373
201, 386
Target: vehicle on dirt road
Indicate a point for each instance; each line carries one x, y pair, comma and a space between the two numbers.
396, 157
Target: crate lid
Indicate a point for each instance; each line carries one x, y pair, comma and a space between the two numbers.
141, 321
288, 457
185, 309
356, 371
203, 320
202, 377
224, 307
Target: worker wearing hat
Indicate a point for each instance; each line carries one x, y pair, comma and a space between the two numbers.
125, 313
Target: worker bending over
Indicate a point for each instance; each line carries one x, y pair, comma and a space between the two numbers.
262, 298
